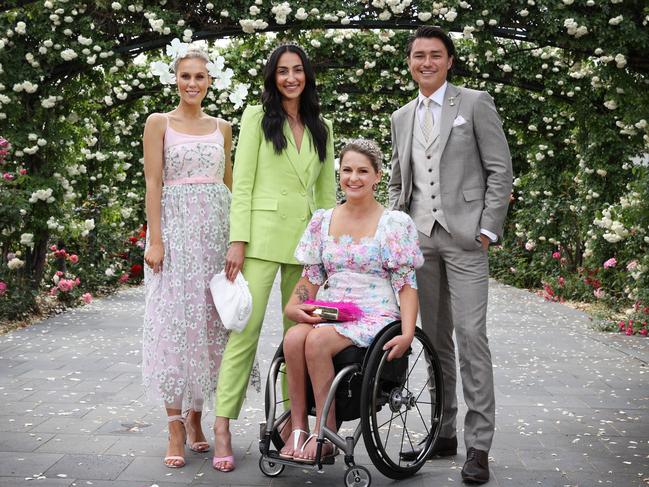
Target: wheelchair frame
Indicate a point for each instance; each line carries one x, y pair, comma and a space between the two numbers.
272, 465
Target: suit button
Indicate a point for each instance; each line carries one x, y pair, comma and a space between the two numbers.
433, 196
283, 216
284, 192
434, 210
430, 170
432, 183
427, 157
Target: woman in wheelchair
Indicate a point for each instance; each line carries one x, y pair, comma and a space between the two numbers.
361, 255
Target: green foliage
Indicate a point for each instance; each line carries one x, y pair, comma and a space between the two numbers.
569, 79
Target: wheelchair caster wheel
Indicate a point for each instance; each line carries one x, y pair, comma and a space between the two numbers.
357, 476
270, 468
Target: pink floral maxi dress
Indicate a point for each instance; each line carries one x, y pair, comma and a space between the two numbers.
183, 337
369, 272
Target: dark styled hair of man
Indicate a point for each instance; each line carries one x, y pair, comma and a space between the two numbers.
274, 115
429, 31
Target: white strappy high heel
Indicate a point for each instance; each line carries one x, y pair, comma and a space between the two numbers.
296, 434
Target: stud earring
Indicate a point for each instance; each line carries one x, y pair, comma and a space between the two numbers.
374, 186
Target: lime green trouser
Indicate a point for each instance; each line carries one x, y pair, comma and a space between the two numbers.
240, 351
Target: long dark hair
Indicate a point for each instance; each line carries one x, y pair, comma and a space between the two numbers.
274, 114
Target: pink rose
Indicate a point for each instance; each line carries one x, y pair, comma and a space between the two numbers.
87, 298
3, 288
621, 325
53, 248
562, 281
599, 293
74, 258
123, 278
65, 285
612, 262
556, 255
643, 332
629, 331
631, 266
22, 171
7, 176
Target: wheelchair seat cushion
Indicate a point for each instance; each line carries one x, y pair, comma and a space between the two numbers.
348, 356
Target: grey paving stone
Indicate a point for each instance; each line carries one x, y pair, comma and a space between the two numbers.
64, 443
20, 442
101, 467
30, 482
565, 400
26, 464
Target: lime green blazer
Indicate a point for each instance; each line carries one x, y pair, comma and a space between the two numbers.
274, 195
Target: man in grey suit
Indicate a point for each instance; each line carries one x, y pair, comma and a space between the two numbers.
451, 171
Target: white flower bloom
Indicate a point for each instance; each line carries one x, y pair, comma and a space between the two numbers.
68, 54
524, 13
610, 104
177, 49
223, 79
27, 239
301, 14
85, 41
238, 96
15, 263
187, 35
315, 43
110, 272
21, 28
616, 20
89, 224
450, 15
116, 6
108, 100
163, 71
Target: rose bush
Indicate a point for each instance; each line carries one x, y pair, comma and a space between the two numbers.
569, 79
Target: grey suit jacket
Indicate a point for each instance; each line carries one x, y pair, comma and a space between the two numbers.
475, 164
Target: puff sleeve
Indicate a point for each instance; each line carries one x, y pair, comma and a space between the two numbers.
309, 250
400, 252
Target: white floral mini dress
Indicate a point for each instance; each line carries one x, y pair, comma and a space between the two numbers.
370, 272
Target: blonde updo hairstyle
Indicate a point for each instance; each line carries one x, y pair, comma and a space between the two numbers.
192, 53
368, 148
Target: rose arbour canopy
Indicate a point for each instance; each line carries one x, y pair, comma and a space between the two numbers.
570, 79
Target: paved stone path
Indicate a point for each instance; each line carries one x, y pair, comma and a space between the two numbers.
572, 405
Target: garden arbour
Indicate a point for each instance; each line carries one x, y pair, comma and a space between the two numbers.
569, 79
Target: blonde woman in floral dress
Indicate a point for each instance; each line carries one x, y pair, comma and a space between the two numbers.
366, 255
188, 180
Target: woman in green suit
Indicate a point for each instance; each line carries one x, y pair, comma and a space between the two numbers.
283, 172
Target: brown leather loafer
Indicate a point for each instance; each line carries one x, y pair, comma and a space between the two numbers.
476, 467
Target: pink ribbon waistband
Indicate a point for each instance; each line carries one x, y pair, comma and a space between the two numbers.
194, 180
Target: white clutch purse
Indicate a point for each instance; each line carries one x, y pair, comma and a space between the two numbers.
233, 300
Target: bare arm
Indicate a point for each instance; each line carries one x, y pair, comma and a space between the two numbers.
153, 147
409, 309
226, 130
295, 309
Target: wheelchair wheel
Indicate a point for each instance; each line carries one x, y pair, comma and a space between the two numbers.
357, 476
279, 403
270, 468
401, 404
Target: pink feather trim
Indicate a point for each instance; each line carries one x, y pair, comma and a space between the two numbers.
346, 311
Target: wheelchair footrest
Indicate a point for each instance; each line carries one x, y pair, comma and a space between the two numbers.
274, 455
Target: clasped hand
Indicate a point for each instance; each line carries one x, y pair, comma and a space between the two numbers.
398, 346
302, 313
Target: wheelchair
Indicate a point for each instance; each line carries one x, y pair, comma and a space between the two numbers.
399, 404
